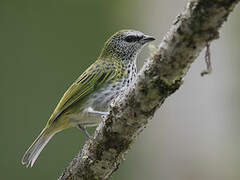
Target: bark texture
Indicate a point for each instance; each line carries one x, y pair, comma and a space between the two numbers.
160, 77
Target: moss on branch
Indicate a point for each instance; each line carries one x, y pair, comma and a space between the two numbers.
160, 77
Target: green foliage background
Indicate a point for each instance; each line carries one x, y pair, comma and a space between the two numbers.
44, 46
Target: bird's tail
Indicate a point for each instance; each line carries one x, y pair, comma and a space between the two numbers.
37, 146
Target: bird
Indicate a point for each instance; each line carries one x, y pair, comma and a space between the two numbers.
86, 101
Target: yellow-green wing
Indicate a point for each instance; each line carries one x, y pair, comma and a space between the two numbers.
90, 80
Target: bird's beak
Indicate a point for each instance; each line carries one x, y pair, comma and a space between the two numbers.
147, 39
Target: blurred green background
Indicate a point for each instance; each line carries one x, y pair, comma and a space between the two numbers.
45, 45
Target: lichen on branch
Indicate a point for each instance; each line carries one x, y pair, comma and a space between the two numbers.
160, 77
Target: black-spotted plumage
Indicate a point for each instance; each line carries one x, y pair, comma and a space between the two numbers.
88, 98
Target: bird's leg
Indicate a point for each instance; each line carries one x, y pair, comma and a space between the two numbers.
83, 128
103, 114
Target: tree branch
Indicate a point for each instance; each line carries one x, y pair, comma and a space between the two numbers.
160, 77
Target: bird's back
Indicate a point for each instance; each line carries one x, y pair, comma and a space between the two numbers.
96, 88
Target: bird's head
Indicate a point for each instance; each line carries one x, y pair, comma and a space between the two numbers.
125, 44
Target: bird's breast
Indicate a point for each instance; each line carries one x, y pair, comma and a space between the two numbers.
101, 99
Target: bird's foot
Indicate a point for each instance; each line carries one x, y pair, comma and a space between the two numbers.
83, 128
92, 111
103, 116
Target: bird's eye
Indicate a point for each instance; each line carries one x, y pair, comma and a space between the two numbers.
132, 38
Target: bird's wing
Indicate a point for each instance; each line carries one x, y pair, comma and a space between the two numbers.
90, 80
